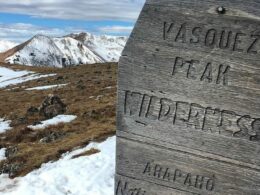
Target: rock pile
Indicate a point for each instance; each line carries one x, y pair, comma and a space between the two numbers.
52, 106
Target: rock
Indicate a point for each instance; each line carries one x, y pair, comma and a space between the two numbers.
39, 80
60, 78
37, 123
32, 110
80, 82
99, 97
10, 168
81, 87
19, 121
52, 137
11, 151
52, 106
91, 114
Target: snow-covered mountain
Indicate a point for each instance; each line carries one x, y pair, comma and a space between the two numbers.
5, 45
73, 49
108, 48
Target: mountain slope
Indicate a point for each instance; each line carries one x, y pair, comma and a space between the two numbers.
108, 48
75, 52
55, 52
74, 49
89, 93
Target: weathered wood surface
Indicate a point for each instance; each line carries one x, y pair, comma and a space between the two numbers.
189, 97
178, 170
131, 186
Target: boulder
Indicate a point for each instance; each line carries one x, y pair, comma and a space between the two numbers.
32, 110
52, 106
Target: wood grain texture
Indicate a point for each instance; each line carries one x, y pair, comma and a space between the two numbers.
131, 186
238, 8
178, 170
189, 97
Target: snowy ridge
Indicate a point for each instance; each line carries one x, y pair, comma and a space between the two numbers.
75, 52
109, 48
39, 50
74, 49
5, 45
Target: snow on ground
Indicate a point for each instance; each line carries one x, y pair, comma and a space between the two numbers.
2, 154
4, 125
85, 175
46, 87
54, 121
12, 77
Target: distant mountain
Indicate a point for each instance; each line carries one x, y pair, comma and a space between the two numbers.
73, 49
108, 48
5, 45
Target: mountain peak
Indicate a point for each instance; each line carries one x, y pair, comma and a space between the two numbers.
73, 49
82, 36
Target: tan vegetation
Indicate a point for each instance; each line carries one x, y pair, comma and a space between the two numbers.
87, 153
90, 95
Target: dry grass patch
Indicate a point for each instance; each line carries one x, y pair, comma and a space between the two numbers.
87, 153
88, 95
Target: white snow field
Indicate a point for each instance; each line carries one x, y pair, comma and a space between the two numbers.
11, 77
85, 175
46, 87
4, 125
54, 121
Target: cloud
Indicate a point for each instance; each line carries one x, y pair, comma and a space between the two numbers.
116, 29
19, 32
121, 10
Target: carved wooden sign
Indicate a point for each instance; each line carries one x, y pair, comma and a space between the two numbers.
189, 100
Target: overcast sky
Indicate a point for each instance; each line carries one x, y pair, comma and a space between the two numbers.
22, 19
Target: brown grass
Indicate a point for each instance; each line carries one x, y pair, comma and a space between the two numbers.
87, 153
96, 116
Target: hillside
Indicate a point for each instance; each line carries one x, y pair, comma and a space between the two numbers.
89, 93
70, 50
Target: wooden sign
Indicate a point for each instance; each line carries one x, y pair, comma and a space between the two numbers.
189, 100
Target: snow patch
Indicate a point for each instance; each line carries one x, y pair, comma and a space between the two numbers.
46, 87
2, 154
92, 175
54, 121
12, 77
110, 87
99, 97
4, 125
